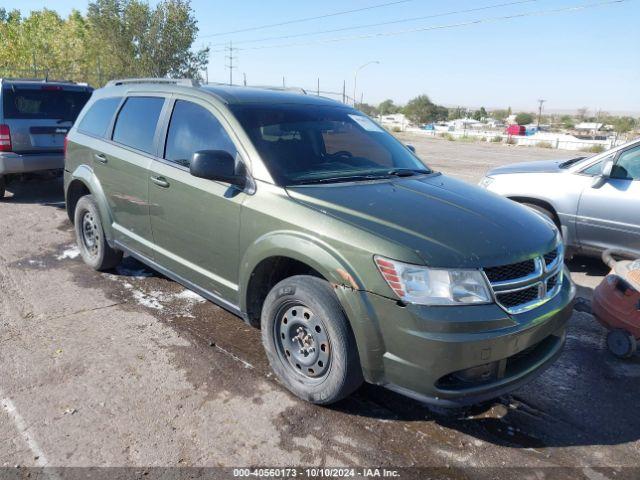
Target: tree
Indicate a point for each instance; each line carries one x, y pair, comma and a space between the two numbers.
500, 114
524, 118
421, 110
116, 38
567, 121
368, 109
622, 124
388, 107
480, 114
582, 113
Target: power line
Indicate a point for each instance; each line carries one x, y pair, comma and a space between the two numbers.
442, 27
305, 19
403, 20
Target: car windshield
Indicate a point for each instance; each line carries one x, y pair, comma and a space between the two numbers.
304, 144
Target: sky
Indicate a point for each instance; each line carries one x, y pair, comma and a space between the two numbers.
582, 58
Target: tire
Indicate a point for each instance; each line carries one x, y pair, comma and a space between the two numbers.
544, 211
3, 184
621, 343
92, 243
308, 340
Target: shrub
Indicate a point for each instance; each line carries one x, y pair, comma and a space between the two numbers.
511, 141
448, 136
544, 145
467, 138
396, 129
593, 149
497, 139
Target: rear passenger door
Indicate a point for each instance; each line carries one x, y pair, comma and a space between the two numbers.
122, 167
196, 222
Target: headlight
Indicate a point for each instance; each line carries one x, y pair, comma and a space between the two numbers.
434, 286
486, 181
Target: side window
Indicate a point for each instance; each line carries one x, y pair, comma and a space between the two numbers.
97, 119
137, 121
193, 128
628, 165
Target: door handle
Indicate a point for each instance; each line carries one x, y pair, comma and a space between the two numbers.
100, 157
160, 181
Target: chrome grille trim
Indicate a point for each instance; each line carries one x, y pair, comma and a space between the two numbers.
538, 279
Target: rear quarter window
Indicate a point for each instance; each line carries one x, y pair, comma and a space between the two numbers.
137, 121
43, 102
98, 117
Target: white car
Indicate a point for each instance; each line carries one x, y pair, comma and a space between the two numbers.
595, 201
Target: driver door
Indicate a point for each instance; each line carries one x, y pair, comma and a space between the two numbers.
609, 215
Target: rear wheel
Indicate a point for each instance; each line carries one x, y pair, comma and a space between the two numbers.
621, 343
3, 184
308, 340
93, 246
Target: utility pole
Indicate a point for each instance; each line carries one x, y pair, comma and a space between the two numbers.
230, 58
244, 79
318, 86
344, 96
284, 85
540, 103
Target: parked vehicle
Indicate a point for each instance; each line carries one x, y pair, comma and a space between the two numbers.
35, 116
595, 201
516, 130
306, 218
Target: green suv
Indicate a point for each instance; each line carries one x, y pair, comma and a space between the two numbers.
305, 218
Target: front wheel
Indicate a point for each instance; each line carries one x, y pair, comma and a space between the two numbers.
308, 340
92, 243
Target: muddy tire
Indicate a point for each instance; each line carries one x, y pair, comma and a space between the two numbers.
3, 185
621, 343
93, 246
309, 342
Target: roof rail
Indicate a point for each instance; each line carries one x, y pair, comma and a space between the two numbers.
264, 87
36, 79
187, 82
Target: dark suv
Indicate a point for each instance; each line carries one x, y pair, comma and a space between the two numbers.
306, 218
35, 116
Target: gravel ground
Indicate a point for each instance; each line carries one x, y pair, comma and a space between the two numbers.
129, 369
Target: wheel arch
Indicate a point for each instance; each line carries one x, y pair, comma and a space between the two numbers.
279, 255
540, 203
84, 182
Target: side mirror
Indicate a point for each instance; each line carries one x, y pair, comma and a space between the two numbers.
605, 173
216, 165
412, 148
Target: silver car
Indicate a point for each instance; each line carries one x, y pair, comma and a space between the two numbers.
595, 201
35, 116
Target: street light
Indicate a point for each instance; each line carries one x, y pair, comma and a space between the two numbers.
355, 78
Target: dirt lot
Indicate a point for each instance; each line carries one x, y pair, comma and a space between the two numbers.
129, 369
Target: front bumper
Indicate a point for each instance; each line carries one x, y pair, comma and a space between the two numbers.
11, 162
426, 349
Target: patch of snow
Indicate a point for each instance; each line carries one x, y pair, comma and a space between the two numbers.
190, 296
71, 253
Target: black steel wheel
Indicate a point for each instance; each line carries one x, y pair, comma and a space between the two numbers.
92, 243
308, 340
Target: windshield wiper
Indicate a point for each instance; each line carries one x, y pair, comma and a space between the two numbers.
570, 162
350, 178
406, 172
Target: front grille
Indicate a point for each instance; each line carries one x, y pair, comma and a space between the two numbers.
519, 297
519, 287
550, 257
510, 272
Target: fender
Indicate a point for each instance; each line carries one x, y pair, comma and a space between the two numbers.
335, 269
85, 174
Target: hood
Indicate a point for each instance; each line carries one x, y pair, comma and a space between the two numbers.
447, 222
541, 166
